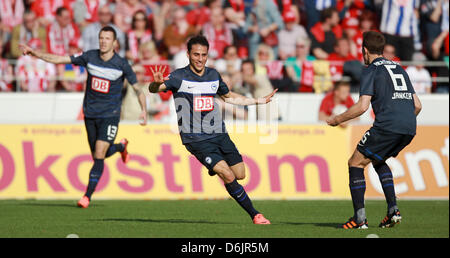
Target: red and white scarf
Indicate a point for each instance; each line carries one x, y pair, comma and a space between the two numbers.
58, 38
134, 42
91, 7
9, 15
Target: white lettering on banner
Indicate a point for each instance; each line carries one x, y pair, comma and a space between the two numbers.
205, 103
100, 85
413, 160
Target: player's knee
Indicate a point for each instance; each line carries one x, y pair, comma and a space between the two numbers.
240, 176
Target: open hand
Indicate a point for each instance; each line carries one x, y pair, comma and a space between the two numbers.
267, 98
158, 76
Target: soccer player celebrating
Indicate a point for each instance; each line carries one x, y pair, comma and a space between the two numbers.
202, 129
102, 100
386, 86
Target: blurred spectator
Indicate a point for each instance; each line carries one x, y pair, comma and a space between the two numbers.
33, 74
389, 53
263, 24
74, 76
419, 76
440, 50
197, 17
430, 21
46, 10
442, 39
230, 63
230, 111
176, 34
235, 12
90, 33
289, 35
11, 13
123, 11
350, 19
300, 68
148, 53
85, 12
266, 64
156, 107
366, 23
314, 8
325, 33
6, 73
289, 6
139, 33
218, 33
336, 102
399, 26
24, 32
337, 59
60, 32
162, 17
259, 87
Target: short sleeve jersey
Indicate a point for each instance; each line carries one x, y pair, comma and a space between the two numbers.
392, 96
199, 115
103, 96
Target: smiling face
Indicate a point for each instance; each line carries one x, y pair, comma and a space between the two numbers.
106, 41
198, 55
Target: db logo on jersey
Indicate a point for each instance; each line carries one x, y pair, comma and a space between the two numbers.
203, 103
100, 85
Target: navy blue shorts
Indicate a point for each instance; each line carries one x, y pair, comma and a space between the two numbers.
209, 152
104, 129
378, 145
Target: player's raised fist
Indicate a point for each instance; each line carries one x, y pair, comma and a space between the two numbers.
332, 121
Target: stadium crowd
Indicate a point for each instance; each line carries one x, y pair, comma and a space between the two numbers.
256, 45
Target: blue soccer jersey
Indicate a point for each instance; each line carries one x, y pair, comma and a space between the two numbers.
103, 96
392, 96
199, 117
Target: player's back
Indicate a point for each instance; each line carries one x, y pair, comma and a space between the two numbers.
392, 96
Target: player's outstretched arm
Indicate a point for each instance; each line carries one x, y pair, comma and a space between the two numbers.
51, 58
237, 99
353, 112
158, 80
142, 102
417, 104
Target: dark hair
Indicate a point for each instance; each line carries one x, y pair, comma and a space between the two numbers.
60, 10
248, 61
374, 42
340, 83
327, 13
147, 23
109, 28
199, 39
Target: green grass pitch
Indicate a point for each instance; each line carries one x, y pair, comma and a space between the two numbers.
214, 218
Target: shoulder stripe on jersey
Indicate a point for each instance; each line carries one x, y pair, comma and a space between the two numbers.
103, 72
199, 87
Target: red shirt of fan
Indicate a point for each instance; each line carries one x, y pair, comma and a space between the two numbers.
327, 106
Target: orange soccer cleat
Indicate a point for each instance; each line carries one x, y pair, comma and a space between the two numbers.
83, 202
124, 153
259, 219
